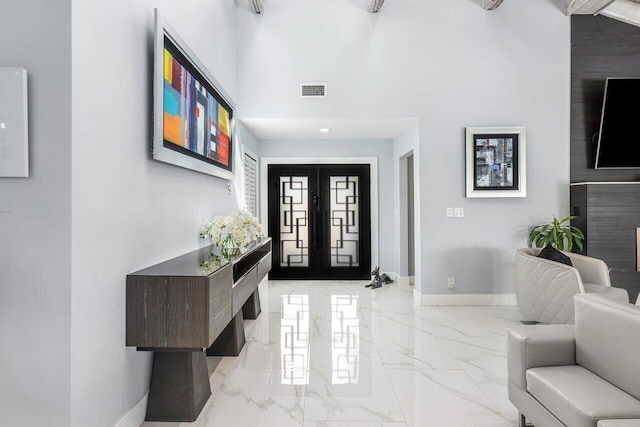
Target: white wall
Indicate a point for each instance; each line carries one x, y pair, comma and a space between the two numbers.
406, 143
247, 138
35, 222
451, 65
380, 148
129, 211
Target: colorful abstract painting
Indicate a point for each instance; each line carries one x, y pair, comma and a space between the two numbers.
193, 117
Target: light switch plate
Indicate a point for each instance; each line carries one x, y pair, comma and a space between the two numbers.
14, 145
455, 212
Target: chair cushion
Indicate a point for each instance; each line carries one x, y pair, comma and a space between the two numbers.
552, 254
616, 294
579, 398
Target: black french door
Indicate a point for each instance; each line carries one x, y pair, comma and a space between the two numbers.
320, 221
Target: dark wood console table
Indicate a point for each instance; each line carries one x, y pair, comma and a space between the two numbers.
181, 307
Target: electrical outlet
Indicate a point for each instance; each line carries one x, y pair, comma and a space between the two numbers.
451, 283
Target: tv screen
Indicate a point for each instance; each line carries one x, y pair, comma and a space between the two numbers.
193, 116
618, 141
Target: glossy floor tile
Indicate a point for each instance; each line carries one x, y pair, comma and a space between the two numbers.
337, 354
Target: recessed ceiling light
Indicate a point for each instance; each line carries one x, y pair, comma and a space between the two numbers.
324, 130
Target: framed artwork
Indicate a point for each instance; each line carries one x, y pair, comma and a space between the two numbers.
192, 114
496, 161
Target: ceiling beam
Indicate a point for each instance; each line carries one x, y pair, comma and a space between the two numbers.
623, 10
257, 6
588, 7
491, 4
375, 6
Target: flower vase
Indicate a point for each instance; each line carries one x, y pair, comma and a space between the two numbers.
230, 248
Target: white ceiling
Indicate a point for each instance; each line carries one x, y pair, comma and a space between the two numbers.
309, 128
623, 10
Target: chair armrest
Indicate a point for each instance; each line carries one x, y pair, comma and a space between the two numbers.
592, 270
537, 346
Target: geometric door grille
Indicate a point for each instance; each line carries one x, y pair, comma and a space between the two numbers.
294, 221
345, 229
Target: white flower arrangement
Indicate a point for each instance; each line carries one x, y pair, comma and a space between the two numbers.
235, 229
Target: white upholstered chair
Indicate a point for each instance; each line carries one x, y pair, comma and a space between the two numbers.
545, 289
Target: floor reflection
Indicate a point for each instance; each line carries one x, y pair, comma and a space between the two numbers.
345, 339
294, 339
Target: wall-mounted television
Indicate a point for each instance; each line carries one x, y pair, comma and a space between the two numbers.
192, 114
619, 139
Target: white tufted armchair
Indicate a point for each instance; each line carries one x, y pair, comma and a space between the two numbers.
545, 289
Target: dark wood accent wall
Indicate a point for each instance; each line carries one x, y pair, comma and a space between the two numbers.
600, 48
608, 215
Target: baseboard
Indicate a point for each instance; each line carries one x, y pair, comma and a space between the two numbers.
465, 299
393, 275
136, 415
400, 280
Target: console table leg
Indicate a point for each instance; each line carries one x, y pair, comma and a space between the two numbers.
251, 309
179, 386
231, 340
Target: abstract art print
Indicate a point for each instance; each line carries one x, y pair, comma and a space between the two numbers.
193, 118
495, 160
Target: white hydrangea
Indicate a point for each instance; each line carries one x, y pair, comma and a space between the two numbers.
239, 226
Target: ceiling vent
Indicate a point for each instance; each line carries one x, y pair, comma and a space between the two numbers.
257, 6
313, 90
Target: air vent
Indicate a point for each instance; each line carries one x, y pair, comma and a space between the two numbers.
313, 90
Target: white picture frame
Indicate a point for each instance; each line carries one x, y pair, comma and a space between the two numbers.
176, 155
496, 162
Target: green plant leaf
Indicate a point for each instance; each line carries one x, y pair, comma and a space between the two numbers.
558, 233
576, 231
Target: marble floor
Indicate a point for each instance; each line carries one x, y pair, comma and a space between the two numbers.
337, 354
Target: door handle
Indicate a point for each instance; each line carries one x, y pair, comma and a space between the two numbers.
315, 201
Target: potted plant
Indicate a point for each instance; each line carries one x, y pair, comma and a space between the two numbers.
559, 233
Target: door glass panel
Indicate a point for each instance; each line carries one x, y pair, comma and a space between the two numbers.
345, 227
294, 221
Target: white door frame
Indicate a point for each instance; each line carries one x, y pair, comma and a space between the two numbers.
371, 161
